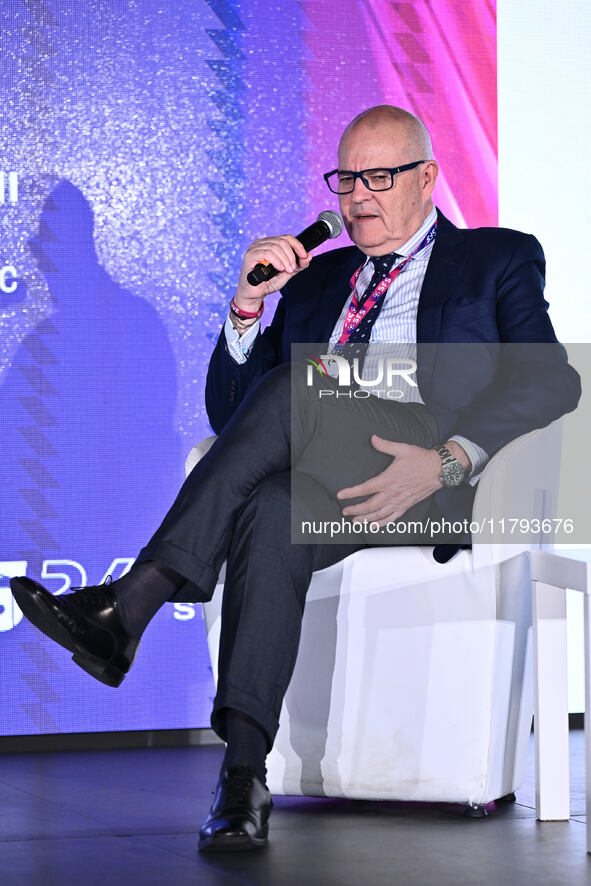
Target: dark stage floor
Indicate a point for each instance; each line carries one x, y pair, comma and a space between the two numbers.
131, 817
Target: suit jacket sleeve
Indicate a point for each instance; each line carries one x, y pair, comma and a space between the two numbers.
315, 299
533, 382
228, 382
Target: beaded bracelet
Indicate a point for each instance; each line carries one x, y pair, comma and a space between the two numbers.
246, 315
240, 325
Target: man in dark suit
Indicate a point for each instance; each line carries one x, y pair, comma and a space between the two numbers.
411, 277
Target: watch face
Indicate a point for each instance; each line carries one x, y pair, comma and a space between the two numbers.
452, 475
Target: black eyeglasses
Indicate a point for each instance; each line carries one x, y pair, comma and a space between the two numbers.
342, 181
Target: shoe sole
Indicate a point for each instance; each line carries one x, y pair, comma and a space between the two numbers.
33, 608
98, 668
233, 842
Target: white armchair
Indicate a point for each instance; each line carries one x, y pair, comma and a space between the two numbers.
414, 678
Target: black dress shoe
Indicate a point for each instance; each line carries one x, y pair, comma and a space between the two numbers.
239, 816
85, 623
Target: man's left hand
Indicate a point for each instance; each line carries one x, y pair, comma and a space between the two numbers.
412, 476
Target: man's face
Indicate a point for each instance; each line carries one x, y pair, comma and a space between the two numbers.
380, 221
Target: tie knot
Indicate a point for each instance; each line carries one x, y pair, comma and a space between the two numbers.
383, 263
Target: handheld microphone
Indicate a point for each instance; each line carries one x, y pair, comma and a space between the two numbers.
327, 226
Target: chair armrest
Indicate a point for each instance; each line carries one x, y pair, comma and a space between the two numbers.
521, 481
514, 479
560, 571
197, 453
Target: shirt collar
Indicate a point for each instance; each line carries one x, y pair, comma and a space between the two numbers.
416, 238
413, 241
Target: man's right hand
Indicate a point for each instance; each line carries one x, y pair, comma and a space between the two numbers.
285, 253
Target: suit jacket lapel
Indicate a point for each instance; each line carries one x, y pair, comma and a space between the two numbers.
440, 280
439, 285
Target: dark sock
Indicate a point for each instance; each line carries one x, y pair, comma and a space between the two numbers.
141, 593
247, 744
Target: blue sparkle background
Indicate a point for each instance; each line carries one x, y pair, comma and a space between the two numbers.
152, 142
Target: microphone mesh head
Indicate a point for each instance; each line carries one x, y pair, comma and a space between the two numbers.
333, 221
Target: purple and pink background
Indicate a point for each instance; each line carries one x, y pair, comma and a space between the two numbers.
152, 143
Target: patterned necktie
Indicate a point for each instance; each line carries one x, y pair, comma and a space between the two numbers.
361, 334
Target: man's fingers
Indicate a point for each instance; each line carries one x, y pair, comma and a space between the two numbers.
297, 247
388, 446
365, 507
366, 488
276, 253
285, 253
380, 515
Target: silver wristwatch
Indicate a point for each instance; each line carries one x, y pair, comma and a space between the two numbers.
452, 472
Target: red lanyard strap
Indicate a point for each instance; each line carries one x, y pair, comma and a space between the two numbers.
356, 312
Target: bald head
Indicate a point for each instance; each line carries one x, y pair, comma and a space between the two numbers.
386, 138
405, 129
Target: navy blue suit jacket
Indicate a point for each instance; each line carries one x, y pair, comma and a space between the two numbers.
483, 290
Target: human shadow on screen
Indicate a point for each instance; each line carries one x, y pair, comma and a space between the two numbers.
90, 457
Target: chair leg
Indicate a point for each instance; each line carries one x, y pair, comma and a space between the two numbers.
475, 810
587, 634
507, 798
550, 702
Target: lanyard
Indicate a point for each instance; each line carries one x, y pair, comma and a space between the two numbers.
356, 312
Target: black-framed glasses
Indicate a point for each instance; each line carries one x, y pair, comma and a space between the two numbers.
342, 181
